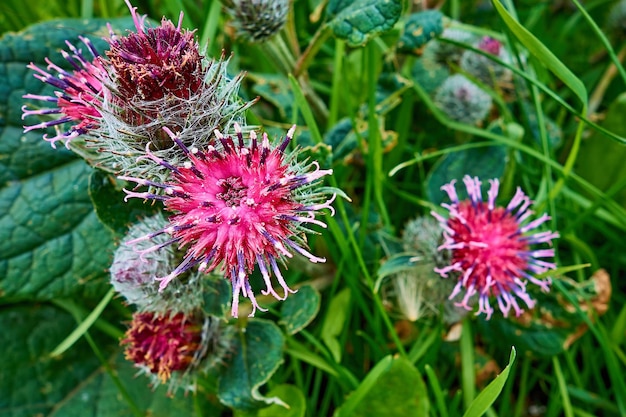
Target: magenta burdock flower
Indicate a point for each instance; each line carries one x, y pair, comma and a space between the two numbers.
164, 343
155, 62
118, 102
239, 206
79, 99
175, 347
490, 248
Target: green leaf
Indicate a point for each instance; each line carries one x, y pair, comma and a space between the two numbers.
359, 21
334, 322
485, 163
542, 53
300, 309
256, 355
31, 382
485, 399
51, 242
420, 28
217, 296
99, 396
275, 88
394, 388
108, 202
292, 396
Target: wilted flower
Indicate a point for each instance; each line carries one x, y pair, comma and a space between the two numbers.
258, 20
462, 100
490, 247
134, 270
175, 346
80, 97
238, 206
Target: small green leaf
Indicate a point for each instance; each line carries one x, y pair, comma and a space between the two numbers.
334, 322
359, 21
419, 29
292, 396
394, 388
485, 163
300, 309
487, 396
257, 354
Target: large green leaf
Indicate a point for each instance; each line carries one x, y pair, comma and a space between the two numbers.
31, 382
99, 396
359, 21
257, 354
394, 388
50, 239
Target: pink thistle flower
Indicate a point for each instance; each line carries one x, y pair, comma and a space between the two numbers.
164, 344
240, 206
490, 247
79, 99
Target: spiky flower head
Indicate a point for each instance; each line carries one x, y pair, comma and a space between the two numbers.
257, 20
462, 100
485, 69
149, 79
80, 96
422, 236
175, 347
440, 52
134, 270
240, 206
155, 62
490, 248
